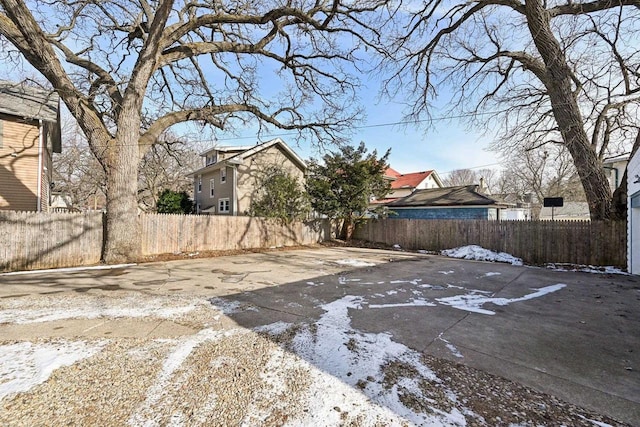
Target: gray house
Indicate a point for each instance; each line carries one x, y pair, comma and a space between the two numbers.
463, 202
231, 176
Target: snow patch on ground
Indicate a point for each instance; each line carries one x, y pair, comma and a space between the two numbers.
491, 273
452, 348
231, 307
25, 365
355, 263
586, 268
478, 253
597, 423
354, 366
474, 302
144, 415
415, 302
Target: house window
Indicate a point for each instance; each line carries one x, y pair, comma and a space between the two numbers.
223, 175
199, 183
211, 159
211, 185
223, 206
198, 208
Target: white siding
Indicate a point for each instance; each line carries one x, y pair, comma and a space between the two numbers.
633, 219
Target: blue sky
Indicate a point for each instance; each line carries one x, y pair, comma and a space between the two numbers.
445, 145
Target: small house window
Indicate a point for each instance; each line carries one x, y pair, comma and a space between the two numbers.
223, 175
199, 183
211, 185
211, 159
223, 206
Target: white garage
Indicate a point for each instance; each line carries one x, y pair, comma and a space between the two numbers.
633, 223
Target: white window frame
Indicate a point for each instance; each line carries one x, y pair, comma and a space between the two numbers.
199, 183
212, 187
223, 175
224, 206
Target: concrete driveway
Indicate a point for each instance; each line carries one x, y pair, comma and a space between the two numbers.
575, 336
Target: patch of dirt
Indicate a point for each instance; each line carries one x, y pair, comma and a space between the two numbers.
215, 254
501, 402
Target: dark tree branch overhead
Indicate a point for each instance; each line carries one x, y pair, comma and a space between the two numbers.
547, 71
130, 69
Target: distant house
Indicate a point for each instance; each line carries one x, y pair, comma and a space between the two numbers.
29, 134
462, 202
614, 168
230, 178
403, 185
633, 217
570, 211
521, 206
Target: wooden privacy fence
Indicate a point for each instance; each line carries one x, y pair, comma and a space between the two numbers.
536, 242
31, 240
162, 233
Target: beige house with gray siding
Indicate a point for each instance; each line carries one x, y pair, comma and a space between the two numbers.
231, 177
29, 134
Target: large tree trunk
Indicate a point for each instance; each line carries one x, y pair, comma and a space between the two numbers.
558, 82
123, 234
348, 227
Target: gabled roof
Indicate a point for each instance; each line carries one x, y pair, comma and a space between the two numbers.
619, 158
410, 180
28, 102
33, 103
250, 151
391, 173
466, 195
227, 149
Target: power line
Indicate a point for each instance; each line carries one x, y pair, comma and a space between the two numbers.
377, 125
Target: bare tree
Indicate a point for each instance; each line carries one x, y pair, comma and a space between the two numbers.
130, 69
532, 175
460, 177
488, 178
76, 172
544, 72
165, 167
